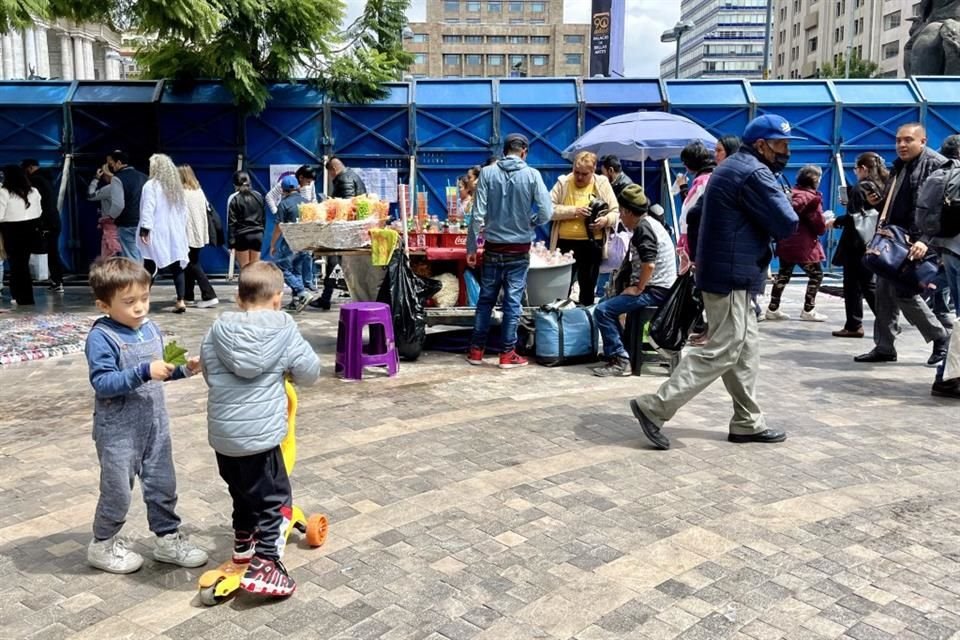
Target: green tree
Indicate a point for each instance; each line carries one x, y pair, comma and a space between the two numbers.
859, 68
248, 43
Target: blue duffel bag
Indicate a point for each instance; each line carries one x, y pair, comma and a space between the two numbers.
565, 334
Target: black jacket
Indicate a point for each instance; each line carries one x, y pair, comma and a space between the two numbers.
245, 213
620, 182
348, 184
910, 176
49, 213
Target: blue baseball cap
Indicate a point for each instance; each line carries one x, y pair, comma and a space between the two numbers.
768, 127
289, 183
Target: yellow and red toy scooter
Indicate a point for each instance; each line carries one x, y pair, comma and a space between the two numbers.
217, 584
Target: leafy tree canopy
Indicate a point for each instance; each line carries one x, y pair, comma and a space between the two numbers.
859, 68
247, 43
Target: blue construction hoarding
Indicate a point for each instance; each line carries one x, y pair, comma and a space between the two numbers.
433, 128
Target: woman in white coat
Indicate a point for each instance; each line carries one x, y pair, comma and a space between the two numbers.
163, 224
19, 215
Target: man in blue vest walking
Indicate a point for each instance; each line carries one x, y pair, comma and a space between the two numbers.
744, 207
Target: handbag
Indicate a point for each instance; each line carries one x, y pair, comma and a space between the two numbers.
887, 253
214, 226
866, 224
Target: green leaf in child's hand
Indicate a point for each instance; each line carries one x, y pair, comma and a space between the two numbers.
174, 353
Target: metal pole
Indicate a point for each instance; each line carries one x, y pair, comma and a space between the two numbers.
676, 61
766, 40
846, 60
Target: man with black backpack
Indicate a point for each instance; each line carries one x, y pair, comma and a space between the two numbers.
938, 215
915, 163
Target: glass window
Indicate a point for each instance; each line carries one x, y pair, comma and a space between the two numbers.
518, 39
573, 38
515, 7
473, 20
451, 5
495, 60
574, 58
891, 20
420, 37
537, 21
474, 58
891, 50
494, 7
517, 60
473, 39
539, 39
812, 44
538, 61
516, 20
473, 7
452, 20
496, 39
452, 39
419, 58
536, 7
451, 58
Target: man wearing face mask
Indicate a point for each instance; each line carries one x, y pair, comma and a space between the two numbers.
914, 164
744, 208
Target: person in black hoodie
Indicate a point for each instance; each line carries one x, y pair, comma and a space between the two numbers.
915, 162
610, 166
50, 220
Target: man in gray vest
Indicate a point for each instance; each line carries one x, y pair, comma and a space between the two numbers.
643, 280
126, 185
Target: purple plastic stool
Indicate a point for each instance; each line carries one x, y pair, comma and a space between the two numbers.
352, 354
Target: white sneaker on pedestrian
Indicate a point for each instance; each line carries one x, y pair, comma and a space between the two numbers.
111, 555
776, 315
176, 549
812, 316
206, 304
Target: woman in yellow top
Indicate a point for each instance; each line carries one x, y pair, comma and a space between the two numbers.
571, 208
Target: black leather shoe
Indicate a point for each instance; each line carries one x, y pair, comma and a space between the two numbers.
767, 436
946, 389
876, 356
650, 430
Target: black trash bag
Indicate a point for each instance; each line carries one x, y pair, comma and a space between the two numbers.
406, 294
673, 321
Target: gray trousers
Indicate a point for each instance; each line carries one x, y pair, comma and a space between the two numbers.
915, 310
732, 354
132, 442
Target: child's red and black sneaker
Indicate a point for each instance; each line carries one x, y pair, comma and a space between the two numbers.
267, 577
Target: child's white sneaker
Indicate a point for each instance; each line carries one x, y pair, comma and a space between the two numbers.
111, 555
777, 315
176, 549
812, 316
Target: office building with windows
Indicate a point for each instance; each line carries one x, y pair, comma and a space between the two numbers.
726, 40
489, 38
811, 33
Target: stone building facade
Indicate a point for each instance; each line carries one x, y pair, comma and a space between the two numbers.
474, 38
61, 50
810, 33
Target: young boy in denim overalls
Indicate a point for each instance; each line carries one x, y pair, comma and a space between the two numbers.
130, 424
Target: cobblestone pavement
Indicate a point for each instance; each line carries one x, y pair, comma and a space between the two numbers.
467, 502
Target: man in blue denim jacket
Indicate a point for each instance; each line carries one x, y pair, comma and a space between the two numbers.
511, 201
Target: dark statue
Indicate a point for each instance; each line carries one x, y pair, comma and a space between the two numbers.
934, 45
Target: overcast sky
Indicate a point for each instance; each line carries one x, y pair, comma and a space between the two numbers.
646, 20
